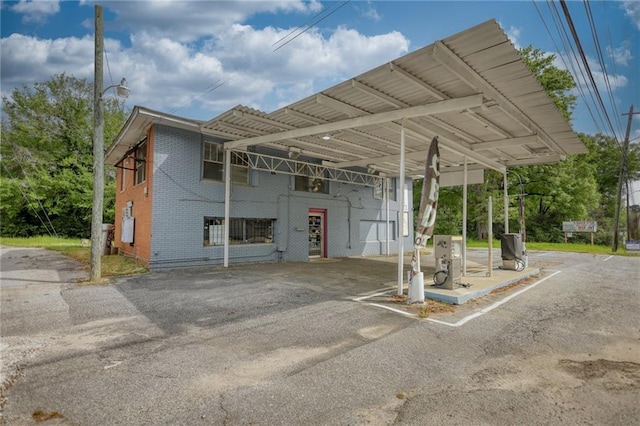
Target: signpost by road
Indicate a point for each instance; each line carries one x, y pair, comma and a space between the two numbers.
569, 227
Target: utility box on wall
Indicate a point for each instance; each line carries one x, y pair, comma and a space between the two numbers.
448, 253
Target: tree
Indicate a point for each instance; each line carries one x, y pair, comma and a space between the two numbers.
556, 192
557, 82
605, 153
560, 191
46, 172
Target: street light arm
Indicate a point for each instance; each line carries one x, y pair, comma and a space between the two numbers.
121, 89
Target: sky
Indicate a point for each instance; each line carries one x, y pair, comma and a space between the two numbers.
197, 59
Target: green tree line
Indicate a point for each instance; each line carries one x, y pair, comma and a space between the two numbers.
46, 173
582, 187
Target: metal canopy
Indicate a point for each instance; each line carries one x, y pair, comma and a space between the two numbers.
471, 89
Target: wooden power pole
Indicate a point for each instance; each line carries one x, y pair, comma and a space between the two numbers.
98, 152
621, 178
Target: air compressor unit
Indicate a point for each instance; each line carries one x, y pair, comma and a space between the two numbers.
512, 252
448, 253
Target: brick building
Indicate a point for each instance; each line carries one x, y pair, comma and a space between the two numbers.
170, 202
330, 175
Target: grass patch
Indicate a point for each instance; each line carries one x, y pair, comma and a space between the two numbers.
74, 248
571, 247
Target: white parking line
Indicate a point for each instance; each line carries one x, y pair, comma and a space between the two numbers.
495, 305
392, 309
358, 299
607, 258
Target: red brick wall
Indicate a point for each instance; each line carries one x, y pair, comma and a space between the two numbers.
141, 248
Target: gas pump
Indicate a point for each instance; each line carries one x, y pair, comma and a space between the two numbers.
448, 253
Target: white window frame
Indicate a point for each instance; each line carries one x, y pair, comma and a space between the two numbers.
213, 153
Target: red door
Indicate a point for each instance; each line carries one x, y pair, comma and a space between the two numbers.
317, 233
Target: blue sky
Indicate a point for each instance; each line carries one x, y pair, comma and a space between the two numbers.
173, 53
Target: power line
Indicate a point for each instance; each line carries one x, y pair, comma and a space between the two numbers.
29, 203
343, 4
598, 48
300, 26
219, 83
585, 63
208, 89
568, 66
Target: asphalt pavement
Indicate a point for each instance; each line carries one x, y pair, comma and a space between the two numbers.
286, 343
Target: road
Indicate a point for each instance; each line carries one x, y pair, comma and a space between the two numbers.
286, 344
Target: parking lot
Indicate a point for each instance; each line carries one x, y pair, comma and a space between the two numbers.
286, 343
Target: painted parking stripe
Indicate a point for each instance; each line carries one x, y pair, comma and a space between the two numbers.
369, 296
495, 305
392, 309
607, 258
463, 320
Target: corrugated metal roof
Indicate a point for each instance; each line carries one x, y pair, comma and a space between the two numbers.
515, 123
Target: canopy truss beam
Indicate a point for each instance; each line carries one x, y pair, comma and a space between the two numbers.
272, 164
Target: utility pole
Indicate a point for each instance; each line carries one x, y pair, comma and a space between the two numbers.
98, 152
621, 178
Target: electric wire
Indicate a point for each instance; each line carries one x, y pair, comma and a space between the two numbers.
28, 202
106, 57
208, 89
313, 24
598, 49
215, 85
585, 63
44, 211
298, 27
574, 62
562, 58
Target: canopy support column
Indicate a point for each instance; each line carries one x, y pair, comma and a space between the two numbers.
386, 198
401, 212
506, 202
490, 237
227, 200
464, 220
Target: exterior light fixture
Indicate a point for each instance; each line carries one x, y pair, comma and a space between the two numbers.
326, 137
294, 153
121, 89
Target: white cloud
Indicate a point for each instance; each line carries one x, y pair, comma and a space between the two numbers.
26, 59
370, 12
514, 33
164, 73
187, 21
615, 81
632, 9
620, 55
36, 10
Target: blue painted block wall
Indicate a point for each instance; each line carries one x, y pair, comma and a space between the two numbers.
181, 200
